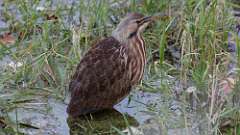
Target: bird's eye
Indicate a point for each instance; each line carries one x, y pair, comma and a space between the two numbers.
132, 34
138, 21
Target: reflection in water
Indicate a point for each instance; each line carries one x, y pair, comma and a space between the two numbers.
99, 123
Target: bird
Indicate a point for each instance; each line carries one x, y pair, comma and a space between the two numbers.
110, 68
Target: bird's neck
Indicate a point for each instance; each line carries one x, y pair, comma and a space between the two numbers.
137, 50
120, 36
136, 54
137, 44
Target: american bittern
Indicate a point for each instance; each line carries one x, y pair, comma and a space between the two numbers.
111, 67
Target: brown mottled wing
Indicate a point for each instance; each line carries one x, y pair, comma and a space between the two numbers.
101, 79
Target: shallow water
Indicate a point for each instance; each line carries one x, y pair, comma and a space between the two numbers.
51, 122
54, 121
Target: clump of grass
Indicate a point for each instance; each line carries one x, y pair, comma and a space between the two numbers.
201, 33
204, 37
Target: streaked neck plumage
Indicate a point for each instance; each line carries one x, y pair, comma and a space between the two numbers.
137, 50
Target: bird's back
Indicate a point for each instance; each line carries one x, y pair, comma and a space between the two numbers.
101, 78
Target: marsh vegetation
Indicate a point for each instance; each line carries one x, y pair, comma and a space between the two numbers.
191, 82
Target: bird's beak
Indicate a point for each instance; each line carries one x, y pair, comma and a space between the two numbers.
152, 18
144, 20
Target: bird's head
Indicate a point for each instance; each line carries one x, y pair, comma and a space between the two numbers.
131, 25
